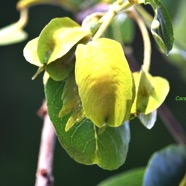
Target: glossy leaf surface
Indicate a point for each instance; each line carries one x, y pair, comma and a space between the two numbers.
161, 26
166, 167
107, 147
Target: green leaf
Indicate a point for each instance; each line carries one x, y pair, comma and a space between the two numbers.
171, 6
11, 34
166, 167
130, 178
161, 26
62, 67
106, 147
148, 120
104, 82
58, 38
58, 70
150, 92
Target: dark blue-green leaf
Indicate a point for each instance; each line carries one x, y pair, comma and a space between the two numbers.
130, 178
166, 167
84, 142
161, 26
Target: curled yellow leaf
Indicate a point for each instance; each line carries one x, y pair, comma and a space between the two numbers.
150, 92
104, 82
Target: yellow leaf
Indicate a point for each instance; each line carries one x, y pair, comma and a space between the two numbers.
150, 92
30, 52
104, 82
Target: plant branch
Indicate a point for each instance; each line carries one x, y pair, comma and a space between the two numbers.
172, 124
113, 9
146, 39
106, 19
44, 175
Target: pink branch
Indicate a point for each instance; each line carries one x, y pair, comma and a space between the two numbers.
44, 175
172, 124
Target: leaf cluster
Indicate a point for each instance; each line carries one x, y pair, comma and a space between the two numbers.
90, 91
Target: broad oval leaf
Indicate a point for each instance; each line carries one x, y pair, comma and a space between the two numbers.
150, 92
166, 167
104, 82
106, 147
161, 26
57, 38
129, 178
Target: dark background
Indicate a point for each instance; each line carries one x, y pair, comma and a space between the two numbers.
20, 127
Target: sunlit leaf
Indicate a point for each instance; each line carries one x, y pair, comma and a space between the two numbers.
104, 82
129, 178
166, 167
30, 52
57, 39
107, 147
150, 92
161, 26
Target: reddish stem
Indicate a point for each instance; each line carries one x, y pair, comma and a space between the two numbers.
44, 175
